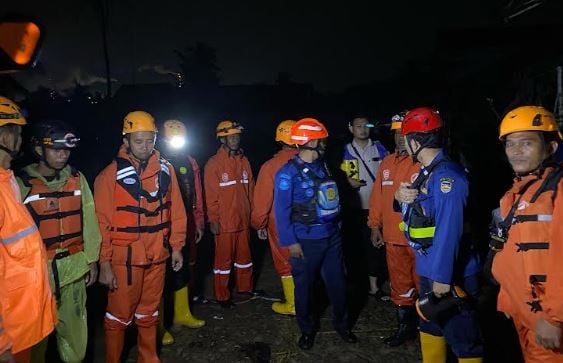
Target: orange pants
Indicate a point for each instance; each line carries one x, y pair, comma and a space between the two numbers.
280, 254
403, 279
534, 353
228, 247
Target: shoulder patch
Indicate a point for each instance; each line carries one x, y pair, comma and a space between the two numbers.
446, 185
284, 181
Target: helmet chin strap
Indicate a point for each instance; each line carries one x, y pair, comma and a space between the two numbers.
12, 152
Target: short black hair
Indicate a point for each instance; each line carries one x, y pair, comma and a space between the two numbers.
551, 136
433, 140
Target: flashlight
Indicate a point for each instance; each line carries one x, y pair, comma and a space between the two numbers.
177, 142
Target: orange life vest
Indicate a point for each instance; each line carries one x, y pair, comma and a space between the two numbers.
58, 214
520, 267
141, 205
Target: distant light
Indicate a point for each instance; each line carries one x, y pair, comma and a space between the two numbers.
177, 142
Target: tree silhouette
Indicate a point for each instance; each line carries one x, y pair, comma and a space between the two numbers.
198, 65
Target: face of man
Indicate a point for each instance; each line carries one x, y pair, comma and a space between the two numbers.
358, 127
400, 144
141, 144
11, 137
56, 158
526, 150
231, 141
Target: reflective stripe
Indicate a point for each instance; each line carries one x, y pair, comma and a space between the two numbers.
244, 181
111, 317
310, 128
402, 226
164, 168
140, 316
16, 237
409, 293
238, 265
125, 170
387, 182
231, 182
221, 272
119, 177
36, 197
426, 232
301, 138
545, 217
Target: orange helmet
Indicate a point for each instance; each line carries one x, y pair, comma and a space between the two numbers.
226, 128
10, 113
528, 118
175, 133
283, 131
306, 130
138, 121
397, 121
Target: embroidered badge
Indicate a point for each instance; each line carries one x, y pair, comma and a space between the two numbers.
386, 174
129, 181
284, 182
523, 205
446, 184
244, 174
225, 177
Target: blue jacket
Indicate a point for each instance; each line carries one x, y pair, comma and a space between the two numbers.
290, 187
444, 197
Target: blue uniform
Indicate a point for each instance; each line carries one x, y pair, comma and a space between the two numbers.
320, 242
449, 258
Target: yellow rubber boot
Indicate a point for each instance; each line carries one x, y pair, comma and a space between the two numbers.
288, 307
167, 338
470, 360
182, 314
433, 348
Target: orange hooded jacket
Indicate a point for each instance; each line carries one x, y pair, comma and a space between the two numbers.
262, 213
393, 170
27, 307
161, 218
229, 186
529, 267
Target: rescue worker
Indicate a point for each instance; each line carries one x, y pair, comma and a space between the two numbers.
433, 214
187, 172
141, 215
229, 187
361, 161
59, 199
27, 306
527, 264
263, 216
384, 223
307, 209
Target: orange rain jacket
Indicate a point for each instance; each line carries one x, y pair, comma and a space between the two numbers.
27, 306
262, 213
393, 170
229, 187
532, 254
147, 224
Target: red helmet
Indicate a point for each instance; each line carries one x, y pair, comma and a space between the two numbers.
307, 129
421, 119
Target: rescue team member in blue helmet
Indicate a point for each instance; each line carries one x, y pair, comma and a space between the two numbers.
433, 214
307, 211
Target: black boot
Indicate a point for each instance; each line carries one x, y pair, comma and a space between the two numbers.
306, 341
408, 322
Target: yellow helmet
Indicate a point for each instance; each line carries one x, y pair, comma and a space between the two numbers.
283, 131
138, 121
10, 113
226, 128
528, 118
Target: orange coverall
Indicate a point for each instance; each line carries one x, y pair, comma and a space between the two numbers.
529, 267
262, 213
137, 259
27, 306
393, 170
229, 186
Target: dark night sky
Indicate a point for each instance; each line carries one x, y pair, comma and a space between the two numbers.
330, 44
